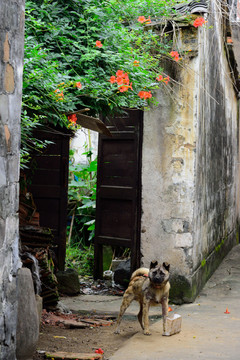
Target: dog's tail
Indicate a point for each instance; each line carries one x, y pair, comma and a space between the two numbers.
140, 272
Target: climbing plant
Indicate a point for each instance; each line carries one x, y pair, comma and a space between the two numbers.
100, 54
73, 48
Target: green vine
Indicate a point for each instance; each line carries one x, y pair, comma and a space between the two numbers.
74, 49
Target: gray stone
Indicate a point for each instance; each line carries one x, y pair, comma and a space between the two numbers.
13, 170
2, 231
68, 282
28, 319
9, 196
122, 273
63, 309
39, 302
3, 180
4, 106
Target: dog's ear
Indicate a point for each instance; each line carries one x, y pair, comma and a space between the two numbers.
166, 266
153, 264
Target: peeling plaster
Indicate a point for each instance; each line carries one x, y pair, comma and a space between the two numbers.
6, 50
7, 137
9, 83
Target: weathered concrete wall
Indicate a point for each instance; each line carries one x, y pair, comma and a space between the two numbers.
168, 175
215, 213
190, 165
11, 64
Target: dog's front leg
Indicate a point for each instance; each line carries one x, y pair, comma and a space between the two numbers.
164, 312
145, 311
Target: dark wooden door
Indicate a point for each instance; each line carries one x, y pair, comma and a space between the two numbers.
49, 187
119, 188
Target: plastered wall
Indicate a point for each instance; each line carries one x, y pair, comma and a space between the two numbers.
189, 167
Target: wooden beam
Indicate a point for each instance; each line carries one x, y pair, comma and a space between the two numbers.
92, 123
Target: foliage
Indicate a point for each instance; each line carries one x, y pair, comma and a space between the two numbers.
61, 51
82, 205
82, 199
81, 259
73, 48
29, 143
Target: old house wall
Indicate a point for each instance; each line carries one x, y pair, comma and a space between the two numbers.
215, 212
189, 169
11, 64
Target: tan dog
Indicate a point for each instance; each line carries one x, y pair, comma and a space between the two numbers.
150, 287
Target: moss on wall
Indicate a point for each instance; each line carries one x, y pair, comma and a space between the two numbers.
185, 289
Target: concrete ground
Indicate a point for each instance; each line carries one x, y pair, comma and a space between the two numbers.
207, 331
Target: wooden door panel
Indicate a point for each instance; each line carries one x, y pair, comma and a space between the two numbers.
49, 162
119, 187
116, 221
49, 187
49, 212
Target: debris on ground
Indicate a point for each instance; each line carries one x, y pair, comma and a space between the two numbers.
89, 286
72, 356
57, 338
75, 320
45, 265
99, 351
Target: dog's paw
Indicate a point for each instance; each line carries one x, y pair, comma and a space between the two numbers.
147, 332
117, 331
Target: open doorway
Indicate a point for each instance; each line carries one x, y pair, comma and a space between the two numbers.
115, 220
82, 201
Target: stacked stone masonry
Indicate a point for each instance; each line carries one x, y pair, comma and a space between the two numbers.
11, 65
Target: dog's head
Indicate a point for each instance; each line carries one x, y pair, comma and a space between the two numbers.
159, 274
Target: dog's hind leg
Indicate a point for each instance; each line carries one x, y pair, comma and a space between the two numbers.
127, 299
145, 317
140, 315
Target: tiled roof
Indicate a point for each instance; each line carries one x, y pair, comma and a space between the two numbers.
192, 7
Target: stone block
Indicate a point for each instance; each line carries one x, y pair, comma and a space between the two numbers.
68, 282
3, 166
4, 108
173, 325
28, 321
13, 169
39, 302
115, 264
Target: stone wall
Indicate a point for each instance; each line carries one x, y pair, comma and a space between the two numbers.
189, 170
11, 65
